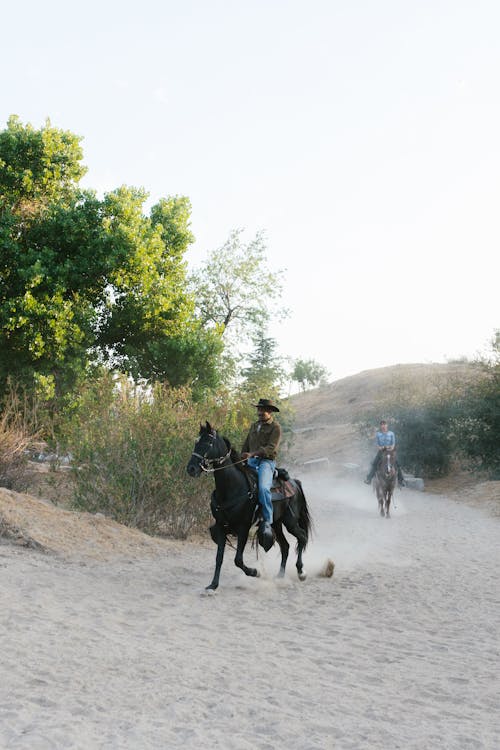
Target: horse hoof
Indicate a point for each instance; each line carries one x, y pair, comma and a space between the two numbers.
302, 576
208, 592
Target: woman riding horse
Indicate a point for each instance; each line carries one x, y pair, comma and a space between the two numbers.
385, 439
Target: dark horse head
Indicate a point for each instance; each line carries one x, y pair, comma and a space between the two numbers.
209, 449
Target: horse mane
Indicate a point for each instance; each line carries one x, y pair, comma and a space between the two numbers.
234, 455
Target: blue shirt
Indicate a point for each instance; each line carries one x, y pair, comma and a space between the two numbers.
385, 439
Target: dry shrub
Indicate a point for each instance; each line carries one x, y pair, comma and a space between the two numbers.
17, 436
130, 448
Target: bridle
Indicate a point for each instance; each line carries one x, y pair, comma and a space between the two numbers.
209, 465
390, 468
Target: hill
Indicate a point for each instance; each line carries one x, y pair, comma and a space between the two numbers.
326, 431
326, 418
38, 524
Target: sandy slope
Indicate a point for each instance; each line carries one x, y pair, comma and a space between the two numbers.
325, 422
398, 650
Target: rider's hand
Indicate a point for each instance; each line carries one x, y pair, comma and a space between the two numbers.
244, 456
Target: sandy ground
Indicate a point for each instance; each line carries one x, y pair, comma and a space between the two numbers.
399, 649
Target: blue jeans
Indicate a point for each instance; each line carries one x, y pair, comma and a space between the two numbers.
265, 470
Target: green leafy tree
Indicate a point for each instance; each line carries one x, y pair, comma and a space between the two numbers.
37, 167
308, 372
148, 325
264, 375
51, 275
237, 295
87, 282
236, 291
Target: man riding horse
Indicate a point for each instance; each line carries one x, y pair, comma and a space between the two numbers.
260, 448
233, 500
386, 440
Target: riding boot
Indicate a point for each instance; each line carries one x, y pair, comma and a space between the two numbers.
373, 469
401, 479
266, 535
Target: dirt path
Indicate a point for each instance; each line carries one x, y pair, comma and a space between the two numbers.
398, 650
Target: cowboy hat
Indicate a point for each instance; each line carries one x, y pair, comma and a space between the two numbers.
266, 404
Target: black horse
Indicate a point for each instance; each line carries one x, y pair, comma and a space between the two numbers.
235, 500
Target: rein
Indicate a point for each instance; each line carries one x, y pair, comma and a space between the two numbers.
205, 462
219, 460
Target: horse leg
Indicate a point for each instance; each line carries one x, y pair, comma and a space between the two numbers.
388, 504
299, 564
284, 546
292, 525
219, 536
238, 559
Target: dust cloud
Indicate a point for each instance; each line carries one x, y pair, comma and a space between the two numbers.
348, 528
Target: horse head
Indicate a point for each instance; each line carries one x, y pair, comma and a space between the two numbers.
388, 463
208, 449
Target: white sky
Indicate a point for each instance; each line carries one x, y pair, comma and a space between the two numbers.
363, 136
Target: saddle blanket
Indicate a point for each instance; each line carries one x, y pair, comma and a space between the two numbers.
282, 489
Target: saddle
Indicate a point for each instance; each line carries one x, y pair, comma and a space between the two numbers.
282, 487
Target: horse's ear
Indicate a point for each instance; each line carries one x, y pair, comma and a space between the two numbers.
209, 427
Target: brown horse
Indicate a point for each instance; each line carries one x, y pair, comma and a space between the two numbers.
385, 481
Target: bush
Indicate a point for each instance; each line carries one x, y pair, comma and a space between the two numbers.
425, 446
479, 423
130, 448
17, 435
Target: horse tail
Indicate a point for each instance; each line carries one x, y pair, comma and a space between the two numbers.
305, 519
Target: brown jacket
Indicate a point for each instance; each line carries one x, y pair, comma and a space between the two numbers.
263, 438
